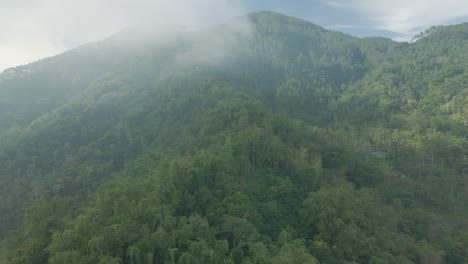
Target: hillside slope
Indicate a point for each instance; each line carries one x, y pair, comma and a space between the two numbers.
264, 140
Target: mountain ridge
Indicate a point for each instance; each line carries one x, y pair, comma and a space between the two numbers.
284, 142
255, 15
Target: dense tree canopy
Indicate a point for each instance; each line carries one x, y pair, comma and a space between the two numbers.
284, 143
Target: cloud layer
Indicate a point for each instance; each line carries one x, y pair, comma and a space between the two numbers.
406, 17
35, 29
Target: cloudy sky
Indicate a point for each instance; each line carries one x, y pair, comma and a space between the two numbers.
34, 29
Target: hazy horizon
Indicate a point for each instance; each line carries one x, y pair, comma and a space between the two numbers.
40, 30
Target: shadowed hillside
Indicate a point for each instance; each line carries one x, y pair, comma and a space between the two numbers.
264, 140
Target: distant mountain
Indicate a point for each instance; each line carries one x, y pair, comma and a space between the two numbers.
264, 140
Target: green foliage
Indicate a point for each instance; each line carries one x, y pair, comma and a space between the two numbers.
301, 146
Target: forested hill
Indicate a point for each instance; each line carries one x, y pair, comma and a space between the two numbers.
264, 140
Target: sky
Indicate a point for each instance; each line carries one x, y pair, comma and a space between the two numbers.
35, 29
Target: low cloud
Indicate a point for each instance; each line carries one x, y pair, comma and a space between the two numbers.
32, 30
404, 17
340, 26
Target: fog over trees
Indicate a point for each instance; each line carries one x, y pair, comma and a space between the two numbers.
265, 139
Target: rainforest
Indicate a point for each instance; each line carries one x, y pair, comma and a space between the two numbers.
267, 139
